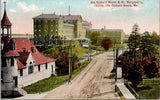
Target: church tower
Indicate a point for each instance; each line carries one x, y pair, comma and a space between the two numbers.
6, 24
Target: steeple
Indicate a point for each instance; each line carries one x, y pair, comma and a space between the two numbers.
5, 23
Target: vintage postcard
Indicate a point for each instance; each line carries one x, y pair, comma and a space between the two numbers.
80, 49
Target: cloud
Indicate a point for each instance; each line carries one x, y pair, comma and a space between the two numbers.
9, 0
137, 8
61, 3
12, 10
27, 8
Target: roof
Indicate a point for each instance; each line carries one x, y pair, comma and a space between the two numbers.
54, 16
20, 45
71, 17
5, 20
117, 30
38, 57
23, 57
11, 53
86, 23
20, 65
47, 16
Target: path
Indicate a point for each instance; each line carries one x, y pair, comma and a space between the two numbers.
90, 83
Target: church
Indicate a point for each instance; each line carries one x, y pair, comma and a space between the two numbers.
21, 62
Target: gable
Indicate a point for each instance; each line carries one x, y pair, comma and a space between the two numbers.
30, 60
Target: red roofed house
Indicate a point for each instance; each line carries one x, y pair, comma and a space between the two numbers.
22, 64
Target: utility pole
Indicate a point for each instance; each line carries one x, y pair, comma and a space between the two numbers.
88, 49
70, 55
116, 68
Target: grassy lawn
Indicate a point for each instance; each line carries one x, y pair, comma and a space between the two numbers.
149, 88
76, 49
54, 81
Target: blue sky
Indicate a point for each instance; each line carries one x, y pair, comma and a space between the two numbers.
146, 15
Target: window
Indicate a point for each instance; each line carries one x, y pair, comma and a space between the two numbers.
30, 69
46, 66
51, 26
21, 72
51, 31
1, 76
12, 61
4, 62
52, 68
39, 68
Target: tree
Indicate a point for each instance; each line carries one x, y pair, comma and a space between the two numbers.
62, 62
130, 68
106, 43
134, 38
155, 38
150, 67
147, 46
93, 36
140, 59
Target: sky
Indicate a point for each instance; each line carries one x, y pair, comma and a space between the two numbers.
146, 15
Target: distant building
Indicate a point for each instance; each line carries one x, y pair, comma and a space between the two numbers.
69, 26
21, 62
116, 35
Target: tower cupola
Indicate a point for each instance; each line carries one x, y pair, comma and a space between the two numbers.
5, 23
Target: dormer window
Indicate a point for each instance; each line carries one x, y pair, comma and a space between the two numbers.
33, 50
14, 46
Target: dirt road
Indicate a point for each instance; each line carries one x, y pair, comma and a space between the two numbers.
91, 83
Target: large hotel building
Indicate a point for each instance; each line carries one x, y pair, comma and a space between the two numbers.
69, 26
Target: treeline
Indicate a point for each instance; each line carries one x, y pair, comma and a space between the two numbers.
142, 57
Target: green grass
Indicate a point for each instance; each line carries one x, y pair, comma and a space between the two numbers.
149, 88
53, 81
76, 49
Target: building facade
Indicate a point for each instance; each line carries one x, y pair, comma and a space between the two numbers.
69, 26
116, 35
21, 63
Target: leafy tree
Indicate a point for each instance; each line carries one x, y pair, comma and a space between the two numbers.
147, 46
93, 36
62, 62
130, 68
150, 67
140, 59
106, 43
155, 38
